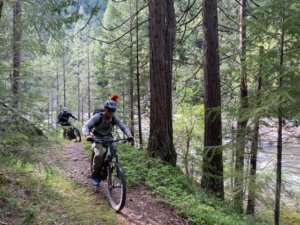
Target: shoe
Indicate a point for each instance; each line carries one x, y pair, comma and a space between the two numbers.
96, 182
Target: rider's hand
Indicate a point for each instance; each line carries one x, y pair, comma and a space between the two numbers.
89, 138
131, 139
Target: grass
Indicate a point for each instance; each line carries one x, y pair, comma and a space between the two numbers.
30, 194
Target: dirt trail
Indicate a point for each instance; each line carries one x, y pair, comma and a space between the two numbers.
141, 207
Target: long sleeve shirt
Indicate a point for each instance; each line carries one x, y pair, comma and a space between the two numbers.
104, 126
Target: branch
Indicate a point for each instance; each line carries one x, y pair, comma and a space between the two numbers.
229, 28
188, 79
194, 17
228, 17
120, 25
182, 40
91, 16
120, 37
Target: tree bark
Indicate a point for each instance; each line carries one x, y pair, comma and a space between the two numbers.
48, 109
138, 76
82, 105
242, 122
280, 124
64, 77
57, 88
1, 7
52, 107
254, 146
212, 178
131, 85
162, 37
89, 82
17, 36
78, 86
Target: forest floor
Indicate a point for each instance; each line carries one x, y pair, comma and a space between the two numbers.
63, 195
142, 207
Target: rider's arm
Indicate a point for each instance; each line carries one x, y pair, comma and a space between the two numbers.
122, 126
73, 116
90, 124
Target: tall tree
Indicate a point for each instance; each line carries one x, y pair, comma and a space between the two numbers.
212, 178
88, 82
16, 45
254, 142
280, 120
131, 71
1, 6
78, 85
138, 75
162, 36
57, 88
64, 76
242, 121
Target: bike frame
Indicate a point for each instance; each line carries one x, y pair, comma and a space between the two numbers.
109, 154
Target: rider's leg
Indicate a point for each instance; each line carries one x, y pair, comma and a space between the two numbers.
97, 163
65, 132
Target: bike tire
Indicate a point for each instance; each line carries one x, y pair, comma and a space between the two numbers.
92, 160
77, 134
121, 176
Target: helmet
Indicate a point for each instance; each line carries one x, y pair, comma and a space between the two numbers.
65, 109
111, 105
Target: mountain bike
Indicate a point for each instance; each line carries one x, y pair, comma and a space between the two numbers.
71, 132
113, 173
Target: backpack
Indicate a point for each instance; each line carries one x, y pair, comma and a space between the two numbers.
96, 111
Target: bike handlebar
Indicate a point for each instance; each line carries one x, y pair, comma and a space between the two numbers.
93, 140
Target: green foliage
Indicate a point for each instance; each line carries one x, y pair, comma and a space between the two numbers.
176, 189
188, 133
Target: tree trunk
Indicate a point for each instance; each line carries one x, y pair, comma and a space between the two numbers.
131, 85
48, 109
89, 82
279, 136
82, 105
212, 178
162, 36
78, 86
138, 76
254, 146
186, 153
17, 36
57, 89
64, 77
52, 106
232, 160
1, 6
242, 122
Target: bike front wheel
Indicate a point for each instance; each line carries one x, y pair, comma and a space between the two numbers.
116, 186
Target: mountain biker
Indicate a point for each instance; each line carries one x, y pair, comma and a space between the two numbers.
101, 126
64, 116
63, 119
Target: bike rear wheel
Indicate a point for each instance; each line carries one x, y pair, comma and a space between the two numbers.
116, 187
77, 134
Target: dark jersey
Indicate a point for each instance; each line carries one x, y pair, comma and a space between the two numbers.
64, 117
